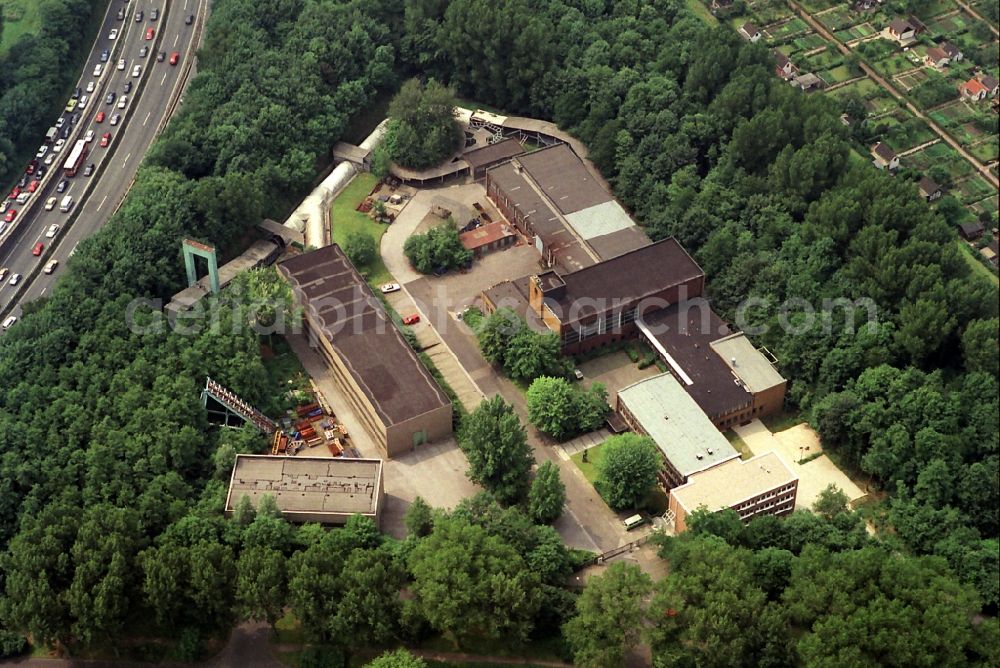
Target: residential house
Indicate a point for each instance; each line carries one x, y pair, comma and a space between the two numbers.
971, 231
902, 31
784, 67
974, 90
990, 252
937, 58
991, 84
929, 190
885, 157
750, 32
721, 5
808, 82
953, 51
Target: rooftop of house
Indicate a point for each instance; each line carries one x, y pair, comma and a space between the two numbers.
485, 234
975, 86
936, 53
734, 482
355, 323
749, 29
927, 186
307, 484
680, 428
900, 26
884, 152
950, 49
988, 81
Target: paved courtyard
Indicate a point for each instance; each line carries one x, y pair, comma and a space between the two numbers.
794, 444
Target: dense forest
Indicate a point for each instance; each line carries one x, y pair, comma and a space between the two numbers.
36, 74
111, 480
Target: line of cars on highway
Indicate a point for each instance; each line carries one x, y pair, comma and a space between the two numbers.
55, 146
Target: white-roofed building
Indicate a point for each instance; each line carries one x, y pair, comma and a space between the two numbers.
659, 407
761, 485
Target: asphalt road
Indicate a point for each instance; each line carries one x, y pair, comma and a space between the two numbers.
116, 165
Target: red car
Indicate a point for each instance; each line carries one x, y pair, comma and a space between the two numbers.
10, 216
37, 250
15, 192
33, 186
105, 139
31, 167
99, 118
150, 34
411, 319
175, 57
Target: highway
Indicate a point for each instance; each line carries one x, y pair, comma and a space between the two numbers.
149, 101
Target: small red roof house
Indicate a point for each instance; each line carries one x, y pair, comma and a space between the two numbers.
750, 32
937, 58
902, 31
486, 238
953, 51
884, 157
973, 89
784, 67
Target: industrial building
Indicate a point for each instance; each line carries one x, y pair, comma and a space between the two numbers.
600, 304
761, 485
731, 380
607, 283
309, 489
554, 200
660, 408
397, 400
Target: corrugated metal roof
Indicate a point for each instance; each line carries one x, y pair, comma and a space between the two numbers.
680, 428
600, 219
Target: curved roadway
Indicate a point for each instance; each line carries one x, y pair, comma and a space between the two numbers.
97, 196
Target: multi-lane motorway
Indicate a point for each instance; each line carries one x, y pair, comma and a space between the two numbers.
96, 196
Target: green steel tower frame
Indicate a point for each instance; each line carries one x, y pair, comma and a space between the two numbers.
193, 248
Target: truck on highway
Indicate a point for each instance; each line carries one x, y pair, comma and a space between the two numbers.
66, 204
76, 158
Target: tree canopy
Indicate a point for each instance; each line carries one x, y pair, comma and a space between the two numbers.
423, 130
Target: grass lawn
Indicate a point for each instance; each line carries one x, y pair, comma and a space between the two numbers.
20, 17
783, 420
699, 9
739, 444
345, 220
977, 267
595, 456
289, 630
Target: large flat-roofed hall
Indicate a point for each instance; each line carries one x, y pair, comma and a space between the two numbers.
398, 401
309, 489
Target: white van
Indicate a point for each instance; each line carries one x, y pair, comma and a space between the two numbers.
98, 68
23, 197
11, 319
67, 203
634, 521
